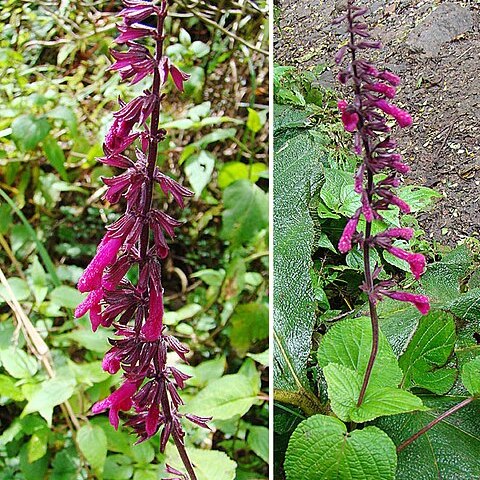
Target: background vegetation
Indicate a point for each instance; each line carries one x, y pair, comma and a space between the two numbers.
57, 102
320, 315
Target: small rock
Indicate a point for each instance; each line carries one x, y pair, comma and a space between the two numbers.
341, 5
444, 24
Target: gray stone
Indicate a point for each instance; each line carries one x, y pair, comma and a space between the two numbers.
444, 24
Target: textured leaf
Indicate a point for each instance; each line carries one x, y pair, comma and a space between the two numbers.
297, 175
466, 306
430, 348
245, 213
419, 198
321, 449
338, 194
441, 279
344, 386
227, 397
397, 321
471, 376
93, 443
450, 450
349, 343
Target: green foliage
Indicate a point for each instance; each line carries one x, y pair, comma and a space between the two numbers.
415, 376
58, 99
428, 351
366, 454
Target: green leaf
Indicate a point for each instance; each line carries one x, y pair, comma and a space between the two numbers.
37, 445
28, 131
338, 194
418, 198
9, 389
249, 324
450, 450
143, 453
321, 449
39, 281
49, 394
66, 296
296, 172
227, 397
209, 464
18, 363
96, 341
349, 343
441, 279
55, 156
262, 358
67, 115
233, 171
258, 441
93, 443
216, 136
471, 376
430, 348
245, 213
199, 49
32, 470
466, 306
344, 386
254, 122
19, 288
117, 467
199, 169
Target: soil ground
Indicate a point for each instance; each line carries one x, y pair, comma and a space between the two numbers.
441, 89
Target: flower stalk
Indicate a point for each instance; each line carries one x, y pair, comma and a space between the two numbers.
136, 243
367, 118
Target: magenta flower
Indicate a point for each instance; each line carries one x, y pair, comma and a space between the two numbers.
129, 32
345, 242
92, 304
120, 399
107, 250
137, 62
402, 117
421, 302
415, 260
365, 117
349, 117
136, 243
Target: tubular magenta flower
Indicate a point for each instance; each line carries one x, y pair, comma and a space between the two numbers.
366, 117
148, 396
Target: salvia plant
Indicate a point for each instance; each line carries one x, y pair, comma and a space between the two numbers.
372, 404
367, 118
136, 243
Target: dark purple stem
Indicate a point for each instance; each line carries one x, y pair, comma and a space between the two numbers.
178, 441
145, 236
426, 428
368, 226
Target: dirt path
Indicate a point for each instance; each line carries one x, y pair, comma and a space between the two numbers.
437, 54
